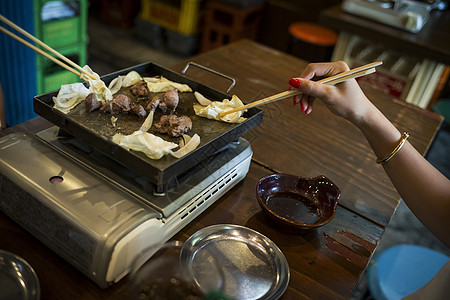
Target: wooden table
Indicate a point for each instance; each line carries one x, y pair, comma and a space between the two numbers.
324, 264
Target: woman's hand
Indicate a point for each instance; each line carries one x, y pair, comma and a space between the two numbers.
345, 99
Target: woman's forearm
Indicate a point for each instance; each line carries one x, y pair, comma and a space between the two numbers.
423, 188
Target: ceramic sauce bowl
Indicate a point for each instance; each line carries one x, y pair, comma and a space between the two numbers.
298, 203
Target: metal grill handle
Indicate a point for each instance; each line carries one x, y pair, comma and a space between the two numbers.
233, 81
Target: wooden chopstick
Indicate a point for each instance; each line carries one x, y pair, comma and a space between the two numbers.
42, 44
351, 76
335, 79
350, 72
14, 36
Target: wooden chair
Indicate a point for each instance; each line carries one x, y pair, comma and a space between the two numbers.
225, 23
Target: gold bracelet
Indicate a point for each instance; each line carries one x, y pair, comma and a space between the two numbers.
396, 149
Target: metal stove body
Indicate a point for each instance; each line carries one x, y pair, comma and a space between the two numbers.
409, 15
97, 214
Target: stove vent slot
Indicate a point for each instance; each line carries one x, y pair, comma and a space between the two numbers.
208, 193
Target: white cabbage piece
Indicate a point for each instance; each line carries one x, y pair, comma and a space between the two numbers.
184, 140
213, 110
131, 78
120, 81
162, 84
151, 145
70, 95
98, 86
116, 84
202, 99
148, 121
187, 146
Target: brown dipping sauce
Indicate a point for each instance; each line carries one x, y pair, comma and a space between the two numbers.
293, 207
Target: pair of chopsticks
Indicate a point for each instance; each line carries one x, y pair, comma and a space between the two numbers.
45, 46
335, 79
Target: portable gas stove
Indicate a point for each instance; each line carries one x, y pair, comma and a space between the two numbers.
409, 15
97, 214
99, 205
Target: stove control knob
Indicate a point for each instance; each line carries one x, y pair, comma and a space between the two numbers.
412, 21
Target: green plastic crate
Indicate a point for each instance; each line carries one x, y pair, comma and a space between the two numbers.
55, 80
51, 76
62, 32
68, 36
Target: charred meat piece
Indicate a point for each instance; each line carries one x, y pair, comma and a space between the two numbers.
153, 105
122, 101
111, 107
92, 103
118, 104
173, 125
138, 110
140, 89
170, 101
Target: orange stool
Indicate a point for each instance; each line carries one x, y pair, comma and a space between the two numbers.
225, 23
311, 42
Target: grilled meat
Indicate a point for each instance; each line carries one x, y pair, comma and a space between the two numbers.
118, 104
92, 103
138, 110
153, 105
140, 89
173, 125
170, 101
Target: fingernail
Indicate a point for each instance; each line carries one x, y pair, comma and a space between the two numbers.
293, 101
295, 82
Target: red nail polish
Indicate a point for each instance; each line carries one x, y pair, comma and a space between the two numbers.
295, 82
